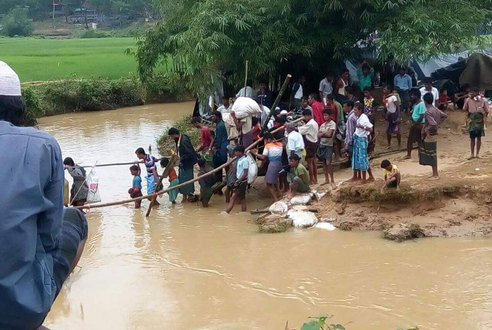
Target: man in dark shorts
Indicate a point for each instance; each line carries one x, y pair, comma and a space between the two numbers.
241, 184
40, 241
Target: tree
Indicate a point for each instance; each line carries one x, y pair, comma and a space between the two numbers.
208, 40
17, 23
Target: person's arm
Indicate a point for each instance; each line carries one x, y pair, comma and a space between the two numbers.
330, 133
421, 118
263, 156
394, 81
50, 219
237, 122
486, 107
303, 177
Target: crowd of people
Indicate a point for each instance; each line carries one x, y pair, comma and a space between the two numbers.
43, 241
337, 123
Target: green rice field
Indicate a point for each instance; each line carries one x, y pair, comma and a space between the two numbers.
53, 59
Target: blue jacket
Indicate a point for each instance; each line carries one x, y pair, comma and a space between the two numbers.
31, 211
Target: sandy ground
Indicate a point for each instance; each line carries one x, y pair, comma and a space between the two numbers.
458, 204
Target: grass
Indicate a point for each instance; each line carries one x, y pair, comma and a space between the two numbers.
53, 59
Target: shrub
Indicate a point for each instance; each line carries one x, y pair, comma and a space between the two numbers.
17, 23
93, 34
165, 143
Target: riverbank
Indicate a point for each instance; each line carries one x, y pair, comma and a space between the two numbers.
74, 95
458, 204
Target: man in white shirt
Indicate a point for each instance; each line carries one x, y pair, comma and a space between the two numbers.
326, 86
310, 132
247, 91
297, 93
428, 88
226, 106
295, 143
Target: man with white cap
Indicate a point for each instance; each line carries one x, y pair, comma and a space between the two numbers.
40, 242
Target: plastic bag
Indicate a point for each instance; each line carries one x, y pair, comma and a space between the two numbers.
301, 199
253, 169
279, 208
93, 182
245, 107
302, 219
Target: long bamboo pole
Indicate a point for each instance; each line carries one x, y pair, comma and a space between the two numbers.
126, 201
246, 78
120, 164
276, 103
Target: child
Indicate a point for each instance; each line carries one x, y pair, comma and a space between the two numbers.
392, 176
326, 136
152, 176
443, 100
207, 183
241, 180
173, 181
136, 189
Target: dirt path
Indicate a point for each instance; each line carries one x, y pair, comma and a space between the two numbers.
459, 204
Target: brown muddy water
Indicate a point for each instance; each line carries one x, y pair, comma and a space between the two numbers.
194, 268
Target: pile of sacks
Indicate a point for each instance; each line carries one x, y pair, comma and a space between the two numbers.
292, 213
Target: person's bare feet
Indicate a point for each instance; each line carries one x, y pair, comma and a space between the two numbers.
333, 186
407, 157
364, 181
477, 156
471, 157
353, 179
371, 179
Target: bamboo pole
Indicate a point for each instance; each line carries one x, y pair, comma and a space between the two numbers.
165, 173
246, 78
120, 164
276, 103
126, 201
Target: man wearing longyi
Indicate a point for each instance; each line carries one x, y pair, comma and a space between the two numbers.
40, 241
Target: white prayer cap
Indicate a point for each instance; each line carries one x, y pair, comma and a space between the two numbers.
283, 112
9, 81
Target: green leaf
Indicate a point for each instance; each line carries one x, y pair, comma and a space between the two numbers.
311, 325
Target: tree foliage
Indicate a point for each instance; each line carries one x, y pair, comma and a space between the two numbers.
208, 40
17, 23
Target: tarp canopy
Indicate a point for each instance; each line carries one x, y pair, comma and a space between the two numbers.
478, 72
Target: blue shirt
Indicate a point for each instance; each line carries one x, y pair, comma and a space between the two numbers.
137, 182
30, 224
403, 82
150, 164
242, 164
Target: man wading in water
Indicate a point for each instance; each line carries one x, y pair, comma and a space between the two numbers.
40, 241
187, 159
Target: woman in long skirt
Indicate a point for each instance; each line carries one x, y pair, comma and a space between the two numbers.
360, 158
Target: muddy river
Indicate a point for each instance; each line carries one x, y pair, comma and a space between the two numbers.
194, 268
